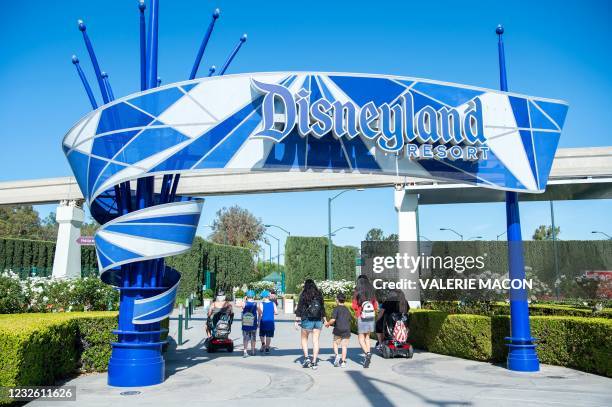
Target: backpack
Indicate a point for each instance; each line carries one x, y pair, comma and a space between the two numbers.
400, 330
313, 310
367, 310
222, 329
248, 318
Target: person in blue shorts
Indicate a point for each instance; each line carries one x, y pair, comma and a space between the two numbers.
266, 310
309, 315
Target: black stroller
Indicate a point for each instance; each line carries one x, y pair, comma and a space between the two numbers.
395, 332
220, 326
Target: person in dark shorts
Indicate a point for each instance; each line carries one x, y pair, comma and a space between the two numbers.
341, 321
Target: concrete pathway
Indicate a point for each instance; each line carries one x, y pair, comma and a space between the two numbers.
196, 378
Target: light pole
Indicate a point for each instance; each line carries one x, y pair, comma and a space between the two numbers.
500, 235
423, 237
270, 258
454, 231
330, 273
278, 227
277, 251
475, 238
602, 233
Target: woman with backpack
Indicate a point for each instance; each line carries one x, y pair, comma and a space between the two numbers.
309, 315
365, 306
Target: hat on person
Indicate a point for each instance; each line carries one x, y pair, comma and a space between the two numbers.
265, 293
250, 294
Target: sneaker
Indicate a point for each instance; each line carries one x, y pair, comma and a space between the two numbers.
306, 363
245, 354
337, 361
368, 358
315, 366
261, 349
343, 364
267, 350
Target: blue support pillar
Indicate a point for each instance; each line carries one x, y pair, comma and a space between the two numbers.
522, 355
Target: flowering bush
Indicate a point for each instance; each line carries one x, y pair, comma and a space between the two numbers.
46, 294
331, 288
259, 286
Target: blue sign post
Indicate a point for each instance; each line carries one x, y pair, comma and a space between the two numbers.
521, 347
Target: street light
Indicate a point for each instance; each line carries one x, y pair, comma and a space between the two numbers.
602, 233
278, 227
423, 237
454, 231
475, 238
330, 244
500, 235
277, 251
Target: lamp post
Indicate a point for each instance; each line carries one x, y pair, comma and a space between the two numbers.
278, 227
602, 233
277, 251
423, 237
454, 231
500, 235
270, 257
522, 355
330, 273
475, 238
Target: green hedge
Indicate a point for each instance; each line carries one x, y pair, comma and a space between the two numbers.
22, 255
306, 257
37, 349
575, 342
232, 266
490, 309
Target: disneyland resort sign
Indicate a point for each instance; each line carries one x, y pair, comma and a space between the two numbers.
446, 132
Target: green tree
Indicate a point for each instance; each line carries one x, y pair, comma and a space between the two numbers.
237, 226
543, 232
20, 221
376, 234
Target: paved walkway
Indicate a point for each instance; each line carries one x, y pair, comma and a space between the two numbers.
196, 378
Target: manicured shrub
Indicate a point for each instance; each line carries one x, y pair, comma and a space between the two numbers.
306, 257
38, 349
576, 342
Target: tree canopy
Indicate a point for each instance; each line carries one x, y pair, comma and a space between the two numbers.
544, 232
237, 226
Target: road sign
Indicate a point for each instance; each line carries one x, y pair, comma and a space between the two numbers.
86, 240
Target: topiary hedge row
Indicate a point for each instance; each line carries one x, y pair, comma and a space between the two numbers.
497, 308
576, 342
22, 255
37, 349
306, 257
232, 266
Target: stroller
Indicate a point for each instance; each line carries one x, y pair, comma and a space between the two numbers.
395, 331
220, 326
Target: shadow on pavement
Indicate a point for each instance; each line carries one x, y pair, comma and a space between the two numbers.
378, 398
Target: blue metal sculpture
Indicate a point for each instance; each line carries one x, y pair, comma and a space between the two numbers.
521, 347
283, 121
141, 225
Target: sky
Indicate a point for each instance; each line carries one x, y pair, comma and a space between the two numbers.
555, 50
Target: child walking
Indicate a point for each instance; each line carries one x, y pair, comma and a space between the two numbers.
341, 321
267, 310
249, 323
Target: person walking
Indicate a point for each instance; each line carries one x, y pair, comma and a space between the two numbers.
249, 323
365, 306
266, 310
341, 321
309, 316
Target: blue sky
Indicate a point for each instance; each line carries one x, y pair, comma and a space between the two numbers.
553, 50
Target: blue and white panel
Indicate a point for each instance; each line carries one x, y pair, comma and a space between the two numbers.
150, 233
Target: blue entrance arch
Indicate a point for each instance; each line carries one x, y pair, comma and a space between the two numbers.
280, 121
